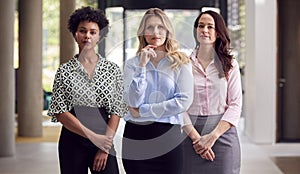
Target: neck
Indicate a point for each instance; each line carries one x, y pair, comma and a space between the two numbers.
160, 55
205, 52
87, 56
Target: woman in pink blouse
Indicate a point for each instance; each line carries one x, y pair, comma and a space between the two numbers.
213, 144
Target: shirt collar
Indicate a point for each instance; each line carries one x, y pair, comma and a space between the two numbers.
75, 64
193, 55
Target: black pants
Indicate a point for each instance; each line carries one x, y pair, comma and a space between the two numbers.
76, 155
152, 148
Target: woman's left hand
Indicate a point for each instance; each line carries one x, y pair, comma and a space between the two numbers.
204, 145
100, 160
134, 112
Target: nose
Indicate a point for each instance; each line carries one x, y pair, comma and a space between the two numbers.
88, 35
205, 28
155, 30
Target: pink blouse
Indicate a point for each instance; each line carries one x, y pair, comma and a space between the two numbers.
213, 95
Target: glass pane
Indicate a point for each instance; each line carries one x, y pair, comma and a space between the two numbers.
115, 36
183, 21
132, 19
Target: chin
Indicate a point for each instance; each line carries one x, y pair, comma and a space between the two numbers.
158, 44
206, 43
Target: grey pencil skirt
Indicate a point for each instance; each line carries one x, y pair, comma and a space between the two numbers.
226, 148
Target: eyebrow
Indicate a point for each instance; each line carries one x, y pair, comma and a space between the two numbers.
82, 27
204, 23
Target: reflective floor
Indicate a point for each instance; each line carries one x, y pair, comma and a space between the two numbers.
39, 155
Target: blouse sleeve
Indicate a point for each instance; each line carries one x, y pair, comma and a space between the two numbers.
181, 101
58, 103
234, 96
134, 83
119, 106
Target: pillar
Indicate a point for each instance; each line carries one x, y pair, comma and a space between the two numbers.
7, 85
67, 42
29, 88
260, 71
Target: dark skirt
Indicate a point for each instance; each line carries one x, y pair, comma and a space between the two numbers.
152, 148
76, 153
226, 148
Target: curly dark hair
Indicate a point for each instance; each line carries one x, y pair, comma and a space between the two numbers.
222, 44
91, 15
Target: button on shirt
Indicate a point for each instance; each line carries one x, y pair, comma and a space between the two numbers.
73, 86
214, 95
161, 93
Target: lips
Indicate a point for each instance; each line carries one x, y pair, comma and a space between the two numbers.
86, 42
204, 36
155, 38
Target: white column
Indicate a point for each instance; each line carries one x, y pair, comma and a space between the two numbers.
260, 71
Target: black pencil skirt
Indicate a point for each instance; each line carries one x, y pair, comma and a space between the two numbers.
226, 148
152, 147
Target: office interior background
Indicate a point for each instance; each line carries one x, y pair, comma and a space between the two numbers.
265, 37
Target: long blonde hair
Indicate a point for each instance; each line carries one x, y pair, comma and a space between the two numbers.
171, 45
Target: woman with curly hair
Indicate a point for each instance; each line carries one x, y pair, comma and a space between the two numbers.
87, 99
158, 87
213, 143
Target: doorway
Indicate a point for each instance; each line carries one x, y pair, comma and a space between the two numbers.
288, 71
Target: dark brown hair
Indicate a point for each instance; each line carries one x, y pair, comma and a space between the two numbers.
222, 44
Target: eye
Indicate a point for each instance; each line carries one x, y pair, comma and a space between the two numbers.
93, 32
160, 27
201, 26
82, 31
211, 27
149, 27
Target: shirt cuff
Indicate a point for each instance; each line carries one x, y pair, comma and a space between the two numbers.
144, 110
141, 71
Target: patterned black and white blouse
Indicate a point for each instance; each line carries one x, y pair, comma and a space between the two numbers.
72, 86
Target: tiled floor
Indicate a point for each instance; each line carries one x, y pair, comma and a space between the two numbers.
41, 158
288, 164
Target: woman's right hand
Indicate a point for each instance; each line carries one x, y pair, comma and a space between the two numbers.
103, 142
100, 160
146, 53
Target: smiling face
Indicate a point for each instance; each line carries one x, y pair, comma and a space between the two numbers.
87, 35
155, 32
206, 32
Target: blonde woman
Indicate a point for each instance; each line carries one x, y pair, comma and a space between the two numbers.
158, 87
